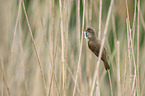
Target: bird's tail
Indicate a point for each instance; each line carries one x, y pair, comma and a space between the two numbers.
107, 67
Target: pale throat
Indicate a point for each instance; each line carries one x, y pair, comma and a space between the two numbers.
87, 36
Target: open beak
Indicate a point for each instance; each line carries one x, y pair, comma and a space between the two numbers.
84, 30
85, 33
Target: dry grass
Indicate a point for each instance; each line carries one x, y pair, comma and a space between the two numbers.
43, 51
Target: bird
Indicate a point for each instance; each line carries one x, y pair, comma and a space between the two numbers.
94, 45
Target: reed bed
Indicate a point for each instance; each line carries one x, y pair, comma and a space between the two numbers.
43, 51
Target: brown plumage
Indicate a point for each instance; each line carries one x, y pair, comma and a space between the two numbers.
94, 45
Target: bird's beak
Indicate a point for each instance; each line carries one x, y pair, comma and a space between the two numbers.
84, 30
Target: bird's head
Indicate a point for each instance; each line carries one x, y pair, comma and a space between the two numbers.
89, 32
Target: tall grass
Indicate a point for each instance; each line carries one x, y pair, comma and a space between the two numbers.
43, 51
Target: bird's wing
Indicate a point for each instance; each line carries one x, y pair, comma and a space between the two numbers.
103, 47
94, 47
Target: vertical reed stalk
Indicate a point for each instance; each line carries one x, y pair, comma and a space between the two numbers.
118, 69
129, 48
62, 50
100, 20
53, 48
110, 83
138, 84
134, 20
129, 55
53, 33
78, 22
133, 84
90, 11
125, 74
99, 37
132, 52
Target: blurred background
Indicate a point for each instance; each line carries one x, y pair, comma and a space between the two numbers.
53, 71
